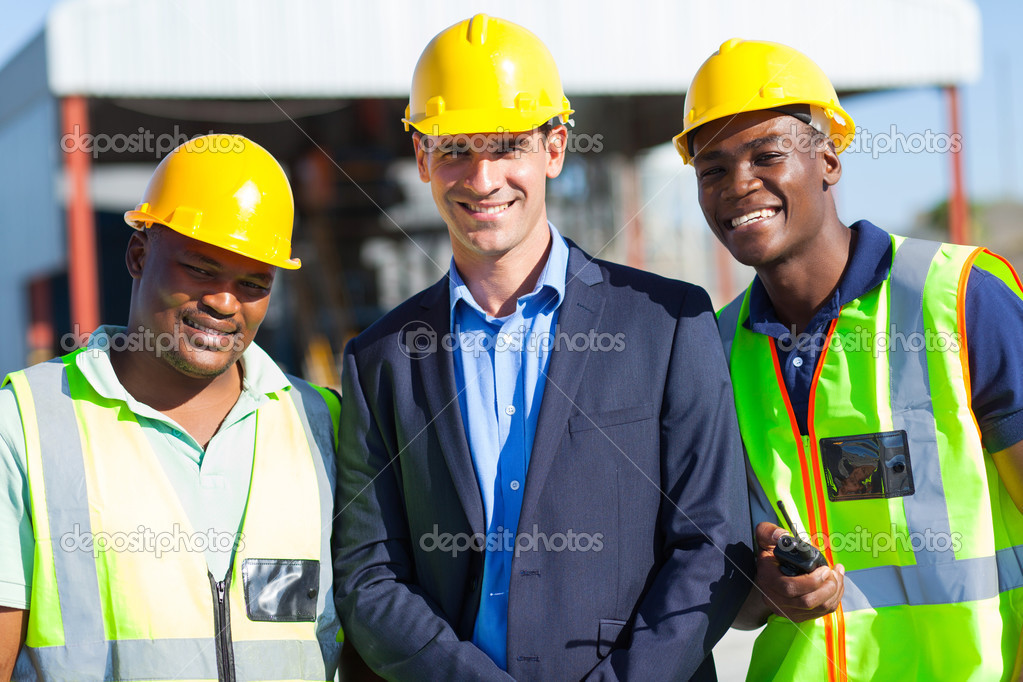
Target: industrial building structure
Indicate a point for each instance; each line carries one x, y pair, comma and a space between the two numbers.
92, 103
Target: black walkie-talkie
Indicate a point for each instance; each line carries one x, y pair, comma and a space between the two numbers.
795, 556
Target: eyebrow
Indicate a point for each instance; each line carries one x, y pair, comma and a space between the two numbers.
745, 147
214, 263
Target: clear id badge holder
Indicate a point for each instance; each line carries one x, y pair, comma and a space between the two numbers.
871, 465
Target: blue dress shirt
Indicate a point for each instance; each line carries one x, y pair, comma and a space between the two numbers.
500, 371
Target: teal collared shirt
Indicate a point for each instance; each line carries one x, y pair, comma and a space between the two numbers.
212, 484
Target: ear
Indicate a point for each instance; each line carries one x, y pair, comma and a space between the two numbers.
557, 143
832, 165
419, 147
135, 255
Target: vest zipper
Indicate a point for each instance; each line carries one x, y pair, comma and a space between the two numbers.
222, 628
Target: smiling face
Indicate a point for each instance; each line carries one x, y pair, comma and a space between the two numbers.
763, 181
202, 304
490, 189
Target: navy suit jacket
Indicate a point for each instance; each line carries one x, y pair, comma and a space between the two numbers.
636, 446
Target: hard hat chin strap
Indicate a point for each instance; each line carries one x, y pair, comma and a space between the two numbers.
815, 117
800, 111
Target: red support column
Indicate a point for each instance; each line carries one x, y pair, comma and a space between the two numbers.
40, 328
83, 273
958, 212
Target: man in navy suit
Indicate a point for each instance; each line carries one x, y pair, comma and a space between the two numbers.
541, 471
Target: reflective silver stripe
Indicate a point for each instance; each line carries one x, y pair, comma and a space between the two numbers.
128, 659
952, 582
173, 659
910, 388
279, 660
728, 322
309, 401
67, 502
87, 655
320, 430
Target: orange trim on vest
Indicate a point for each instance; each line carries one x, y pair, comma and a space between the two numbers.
964, 276
807, 494
808, 497
834, 624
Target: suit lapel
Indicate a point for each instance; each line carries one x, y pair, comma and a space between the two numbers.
580, 312
437, 376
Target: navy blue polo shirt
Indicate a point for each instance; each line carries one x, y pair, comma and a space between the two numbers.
994, 326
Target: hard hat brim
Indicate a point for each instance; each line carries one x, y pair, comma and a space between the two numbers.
471, 122
841, 134
140, 220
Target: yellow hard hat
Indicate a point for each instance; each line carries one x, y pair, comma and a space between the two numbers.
224, 190
752, 75
484, 75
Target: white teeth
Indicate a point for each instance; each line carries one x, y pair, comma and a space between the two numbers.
207, 329
487, 209
755, 215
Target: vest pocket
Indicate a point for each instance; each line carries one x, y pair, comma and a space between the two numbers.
281, 589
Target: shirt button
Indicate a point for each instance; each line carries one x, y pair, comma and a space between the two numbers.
510, 410
514, 485
797, 361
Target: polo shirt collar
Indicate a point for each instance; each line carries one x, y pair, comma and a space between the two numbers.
868, 267
260, 374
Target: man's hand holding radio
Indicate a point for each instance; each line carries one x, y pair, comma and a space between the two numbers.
797, 597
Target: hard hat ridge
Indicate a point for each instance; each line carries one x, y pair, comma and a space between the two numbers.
753, 75
484, 75
224, 190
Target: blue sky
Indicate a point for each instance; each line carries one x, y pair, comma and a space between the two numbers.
891, 188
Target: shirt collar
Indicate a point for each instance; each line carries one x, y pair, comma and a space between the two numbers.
868, 267
553, 276
260, 374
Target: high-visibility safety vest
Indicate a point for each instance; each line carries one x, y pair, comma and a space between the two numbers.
136, 601
933, 581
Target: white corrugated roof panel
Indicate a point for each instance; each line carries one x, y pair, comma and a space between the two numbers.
328, 48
